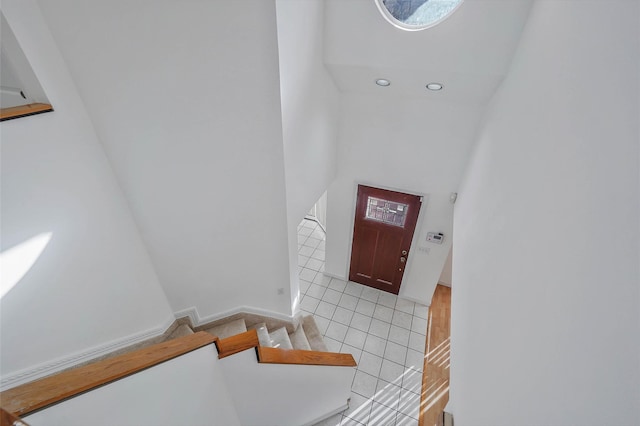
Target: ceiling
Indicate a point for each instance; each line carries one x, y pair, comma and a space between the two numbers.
469, 53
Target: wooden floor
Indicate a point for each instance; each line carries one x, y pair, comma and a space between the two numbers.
435, 376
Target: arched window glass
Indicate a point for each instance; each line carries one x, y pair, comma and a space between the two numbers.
416, 14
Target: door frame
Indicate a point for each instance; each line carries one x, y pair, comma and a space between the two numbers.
417, 231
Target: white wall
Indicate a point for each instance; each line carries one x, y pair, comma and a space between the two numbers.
309, 102
445, 276
284, 394
188, 390
546, 301
321, 210
185, 97
93, 282
16, 73
406, 144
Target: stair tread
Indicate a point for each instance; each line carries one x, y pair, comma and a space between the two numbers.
263, 334
180, 331
299, 340
228, 329
312, 332
280, 339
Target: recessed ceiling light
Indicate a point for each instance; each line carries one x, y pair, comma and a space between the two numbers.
434, 86
383, 82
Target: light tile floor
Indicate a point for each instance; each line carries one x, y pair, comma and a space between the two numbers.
385, 334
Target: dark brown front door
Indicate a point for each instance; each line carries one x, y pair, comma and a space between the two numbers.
382, 233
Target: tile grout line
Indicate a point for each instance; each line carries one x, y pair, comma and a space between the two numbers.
395, 414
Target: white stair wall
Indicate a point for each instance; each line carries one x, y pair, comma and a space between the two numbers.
284, 394
187, 390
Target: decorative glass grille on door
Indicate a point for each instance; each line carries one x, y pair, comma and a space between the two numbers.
385, 211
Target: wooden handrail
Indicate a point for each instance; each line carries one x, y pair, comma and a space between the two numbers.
295, 356
23, 111
29, 397
238, 343
25, 399
9, 419
266, 355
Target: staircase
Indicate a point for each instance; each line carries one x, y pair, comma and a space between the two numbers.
290, 362
301, 333
305, 335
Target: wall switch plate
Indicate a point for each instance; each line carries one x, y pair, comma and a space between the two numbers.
435, 237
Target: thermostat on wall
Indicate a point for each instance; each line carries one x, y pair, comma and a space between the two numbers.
435, 237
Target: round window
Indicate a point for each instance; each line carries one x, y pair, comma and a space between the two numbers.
413, 15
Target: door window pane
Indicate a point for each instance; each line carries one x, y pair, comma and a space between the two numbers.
385, 211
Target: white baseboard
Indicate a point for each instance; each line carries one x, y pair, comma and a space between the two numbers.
192, 313
340, 277
414, 299
45, 369
315, 219
197, 320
